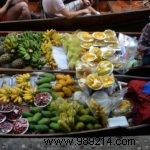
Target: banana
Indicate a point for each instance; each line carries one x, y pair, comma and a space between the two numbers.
29, 93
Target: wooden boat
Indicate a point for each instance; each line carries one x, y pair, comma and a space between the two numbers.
117, 15
142, 71
142, 129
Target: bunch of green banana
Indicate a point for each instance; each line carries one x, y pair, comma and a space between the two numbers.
10, 43
36, 61
29, 48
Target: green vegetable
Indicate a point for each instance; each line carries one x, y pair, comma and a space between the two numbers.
37, 117
88, 119
54, 119
26, 114
44, 121
45, 85
46, 113
43, 80
35, 110
48, 75
30, 119
54, 126
41, 128
43, 90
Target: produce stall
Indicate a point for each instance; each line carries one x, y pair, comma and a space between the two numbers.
67, 86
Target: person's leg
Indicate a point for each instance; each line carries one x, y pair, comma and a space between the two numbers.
19, 11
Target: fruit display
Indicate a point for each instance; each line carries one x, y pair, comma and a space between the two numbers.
50, 38
88, 57
47, 101
85, 36
22, 49
36, 49
65, 85
5, 127
57, 117
99, 35
42, 99
94, 81
104, 67
20, 126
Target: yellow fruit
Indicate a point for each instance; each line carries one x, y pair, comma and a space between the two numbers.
57, 87
67, 91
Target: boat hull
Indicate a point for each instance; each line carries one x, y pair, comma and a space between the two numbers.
124, 21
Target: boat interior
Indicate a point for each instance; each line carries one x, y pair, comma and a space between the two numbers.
104, 7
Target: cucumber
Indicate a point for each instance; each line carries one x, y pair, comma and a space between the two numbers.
35, 110
48, 75
26, 114
44, 121
88, 119
46, 113
54, 126
43, 80
30, 119
41, 128
45, 85
54, 119
37, 117
43, 90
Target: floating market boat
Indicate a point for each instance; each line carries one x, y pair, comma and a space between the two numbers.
22, 60
30, 103
118, 15
16, 124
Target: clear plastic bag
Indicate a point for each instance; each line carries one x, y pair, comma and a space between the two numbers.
83, 70
103, 100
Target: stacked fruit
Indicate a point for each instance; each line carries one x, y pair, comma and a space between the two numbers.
65, 85
22, 91
22, 49
44, 82
58, 117
29, 48
50, 38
